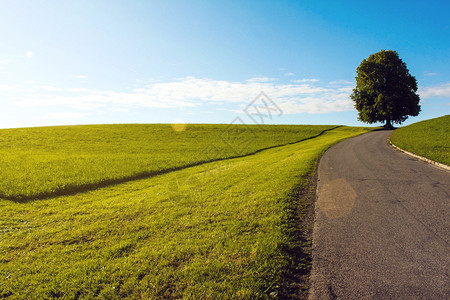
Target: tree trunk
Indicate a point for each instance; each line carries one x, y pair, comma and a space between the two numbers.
388, 123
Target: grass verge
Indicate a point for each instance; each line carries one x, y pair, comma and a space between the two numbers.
430, 139
223, 230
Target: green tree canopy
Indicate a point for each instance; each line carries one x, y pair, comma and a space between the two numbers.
385, 90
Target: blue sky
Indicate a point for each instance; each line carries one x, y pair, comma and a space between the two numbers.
90, 62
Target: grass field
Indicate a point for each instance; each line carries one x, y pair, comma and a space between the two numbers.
229, 229
430, 138
46, 161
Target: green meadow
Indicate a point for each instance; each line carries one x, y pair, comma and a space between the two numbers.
47, 161
430, 138
228, 229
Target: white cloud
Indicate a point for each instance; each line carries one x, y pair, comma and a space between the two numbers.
261, 79
289, 74
64, 115
317, 105
429, 73
7, 88
440, 91
304, 96
14, 89
345, 89
29, 54
80, 76
311, 80
51, 88
78, 90
342, 82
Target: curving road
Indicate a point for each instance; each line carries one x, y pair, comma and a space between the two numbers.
382, 227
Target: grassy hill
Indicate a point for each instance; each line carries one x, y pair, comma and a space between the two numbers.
430, 138
230, 229
46, 161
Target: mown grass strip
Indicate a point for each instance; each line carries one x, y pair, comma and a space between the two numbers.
223, 230
49, 161
430, 139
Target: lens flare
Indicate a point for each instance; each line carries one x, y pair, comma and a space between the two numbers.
178, 127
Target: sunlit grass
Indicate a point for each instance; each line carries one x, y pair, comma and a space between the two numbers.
40, 162
430, 138
222, 230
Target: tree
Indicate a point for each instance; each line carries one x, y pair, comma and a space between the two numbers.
385, 91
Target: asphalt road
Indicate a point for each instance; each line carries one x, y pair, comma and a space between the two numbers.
382, 228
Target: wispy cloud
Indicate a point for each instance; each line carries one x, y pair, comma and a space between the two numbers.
317, 105
342, 82
80, 76
429, 73
64, 115
289, 74
51, 88
29, 54
303, 96
308, 80
7, 88
261, 79
439, 91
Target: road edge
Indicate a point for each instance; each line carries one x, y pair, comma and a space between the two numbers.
427, 160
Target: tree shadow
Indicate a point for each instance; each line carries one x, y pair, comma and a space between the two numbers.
299, 221
385, 128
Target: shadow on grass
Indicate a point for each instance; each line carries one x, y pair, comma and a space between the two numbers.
76, 189
299, 228
385, 129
